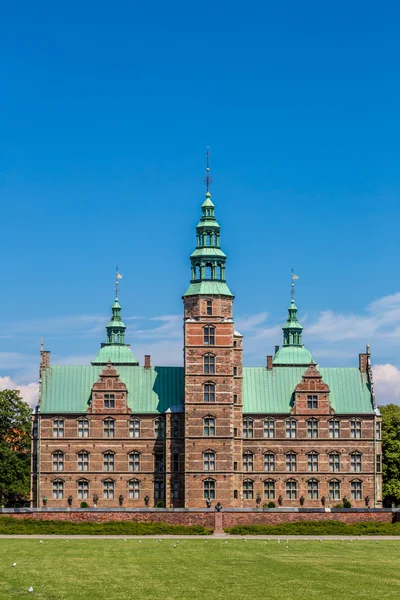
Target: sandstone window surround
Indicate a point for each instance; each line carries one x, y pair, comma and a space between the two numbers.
248, 489
269, 428
209, 489
312, 428
312, 461
109, 427
209, 460
269, 461
58, 461
209, 426
334, 429
108, 461
355, 429
291, 461
209, 391
269, 489
356, 489
109, 400
83, 428
134, 461
134, 428
312, 489
58, 427
248, 461
334, 489
334, 462
58, 489
209, 364
209, 335
83, 489
291, 428
134, 489
108, 489
312, 402
291, 489
356, 462
248, 427
83, 460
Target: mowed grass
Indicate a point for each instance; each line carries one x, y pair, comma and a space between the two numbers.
112, 569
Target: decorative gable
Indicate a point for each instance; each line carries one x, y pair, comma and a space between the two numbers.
109, 393
311, 395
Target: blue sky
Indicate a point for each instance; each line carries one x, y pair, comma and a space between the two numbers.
105, 115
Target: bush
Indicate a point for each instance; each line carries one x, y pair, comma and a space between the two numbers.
269, 505
84, 505
159, 504
318, 528
346, 504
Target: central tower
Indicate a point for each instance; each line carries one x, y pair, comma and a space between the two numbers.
213, 373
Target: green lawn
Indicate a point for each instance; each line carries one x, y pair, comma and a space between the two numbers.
99, 569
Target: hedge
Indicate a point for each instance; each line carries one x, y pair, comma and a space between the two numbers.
318, 528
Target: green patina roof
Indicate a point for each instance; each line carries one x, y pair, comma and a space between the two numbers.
206, 222
292, 355
118, 354
208, 251
208, 202
208, 288
66, 389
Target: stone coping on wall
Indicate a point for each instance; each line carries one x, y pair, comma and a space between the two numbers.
199, 510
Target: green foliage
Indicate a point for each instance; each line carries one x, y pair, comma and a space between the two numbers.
391, 453
159, 504
318, 528
269, 505
84, 505
11, 525
347, 504
15, 445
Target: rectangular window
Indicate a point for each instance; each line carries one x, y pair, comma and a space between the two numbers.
291, 461
175, 490
234, 343
134, 428
209, 336
248, 428
334, 463
235, 494
291, 490
58, 461
248, 490
248, 461
356, 463
83, 428
312, 487
158, 461
175, 427
378, 430
235, 432
58, 490
134, 461
355, 429
109, 400
159, 428
334, 429
209, 392
290, 428
83, 489
312, 428
209, 364
209, 489
158, 489
209, 307
108, 490
379, 463
269, 428
235, 398
269, 490
356, 490
235, 466
209, 461
108, 462
312, 461
312, 401
209, 426
35, 430
235, 371
269, 462
175, 462
58, 428
83, 461
109, 428
334, 490
134, 489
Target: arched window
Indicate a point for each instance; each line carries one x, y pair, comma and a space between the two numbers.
134, 489
356, 489
219, 271
209, 335
208, 271
209, 460
355, 462
334, 429
248, 461
334, 489
269, 428
269, 461
312, 428
58, 489
134, 461
58, 427
197, 272
83, 428
291, 461
209, 364
291, 428
83, 461
83, 489
209, 426
334, 462
108, 489
355, 429
208, 239
134, 428
248, 489
248, 427
159, 428
108, 461
109, 428
209, 392
58, 461
209, 489
312, 461
291, 489
312, 488
269, 489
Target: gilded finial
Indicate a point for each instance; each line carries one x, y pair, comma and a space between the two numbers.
117, 276
294, 277
208, 179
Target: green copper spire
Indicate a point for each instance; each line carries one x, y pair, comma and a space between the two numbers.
208, 260
116, 327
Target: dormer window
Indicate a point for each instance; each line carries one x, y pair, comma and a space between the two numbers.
312, 401
109, 400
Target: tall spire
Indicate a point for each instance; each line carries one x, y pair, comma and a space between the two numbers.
208, 260
292, 330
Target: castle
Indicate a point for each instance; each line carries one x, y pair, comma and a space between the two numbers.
115, 433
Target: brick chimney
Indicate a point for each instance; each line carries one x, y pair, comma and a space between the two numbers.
269, 363
363, 362
147, 361
44, 357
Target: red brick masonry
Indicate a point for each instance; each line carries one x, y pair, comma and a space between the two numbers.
207, 518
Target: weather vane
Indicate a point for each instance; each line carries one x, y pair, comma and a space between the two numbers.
118, 276
294, 277
208, 179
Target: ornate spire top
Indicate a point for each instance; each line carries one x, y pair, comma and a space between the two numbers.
292, 330
208, 179
294, 277
117, 277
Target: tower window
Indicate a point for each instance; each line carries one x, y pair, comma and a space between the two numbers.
209, 460
209, 426
209, 364
209, 392
209, 336
209, 271
209, 307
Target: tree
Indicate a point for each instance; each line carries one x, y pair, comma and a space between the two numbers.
391, 453
15, 446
